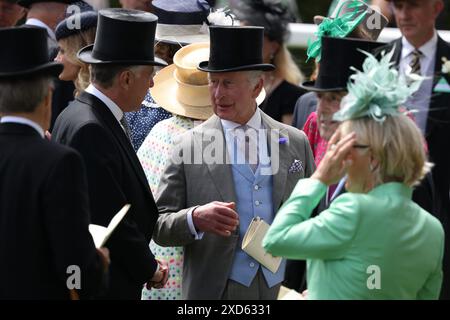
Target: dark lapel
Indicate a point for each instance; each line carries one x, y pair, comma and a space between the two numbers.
106, 117
18, 129
397, 52
439, 101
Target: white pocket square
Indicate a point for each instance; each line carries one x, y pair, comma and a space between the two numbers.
296, 166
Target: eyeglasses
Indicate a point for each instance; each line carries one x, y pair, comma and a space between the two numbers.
361, 146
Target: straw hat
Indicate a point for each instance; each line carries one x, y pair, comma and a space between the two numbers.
182, 89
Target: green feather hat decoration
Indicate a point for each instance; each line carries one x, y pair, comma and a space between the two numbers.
338, 27
377, 91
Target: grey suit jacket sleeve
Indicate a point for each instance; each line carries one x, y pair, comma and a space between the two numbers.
172, 227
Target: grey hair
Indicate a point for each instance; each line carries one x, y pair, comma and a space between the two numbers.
254, 76
23, 95
104, 75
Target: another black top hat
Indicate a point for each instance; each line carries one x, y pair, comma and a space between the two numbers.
338, 55
28, 3
235, 49
26, 53
123, 37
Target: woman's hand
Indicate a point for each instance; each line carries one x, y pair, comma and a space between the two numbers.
334, 164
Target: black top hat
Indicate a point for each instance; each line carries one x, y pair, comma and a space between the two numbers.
15, 58
338, 55
28, 3
235, 49
123, 37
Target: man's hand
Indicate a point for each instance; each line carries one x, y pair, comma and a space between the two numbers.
216, 217
160, 277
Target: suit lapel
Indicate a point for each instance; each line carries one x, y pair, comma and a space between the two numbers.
108, 119
282, 156
438, 100
221, 174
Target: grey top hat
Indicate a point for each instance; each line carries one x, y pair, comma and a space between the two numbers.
123, 37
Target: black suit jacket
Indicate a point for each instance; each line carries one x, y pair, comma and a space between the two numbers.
437, 135
115, 177
44, 218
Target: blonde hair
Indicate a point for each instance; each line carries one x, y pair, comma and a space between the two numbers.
286, 68
72, 45
397, 144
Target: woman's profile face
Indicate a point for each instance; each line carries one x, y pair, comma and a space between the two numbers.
71, 70
360, 177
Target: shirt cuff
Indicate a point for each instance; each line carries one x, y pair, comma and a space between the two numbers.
199, 235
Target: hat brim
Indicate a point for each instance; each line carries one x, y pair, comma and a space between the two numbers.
311, 86
204, 66
165, 91
183, 40
27, 3
51, 69
85, 55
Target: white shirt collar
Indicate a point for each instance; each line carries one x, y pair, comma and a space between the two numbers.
25, 121
254, 122
39, 23
112, 106
428, 49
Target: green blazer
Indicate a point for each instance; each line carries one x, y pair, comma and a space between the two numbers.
378, 245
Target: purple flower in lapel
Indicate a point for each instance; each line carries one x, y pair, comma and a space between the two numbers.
283, 140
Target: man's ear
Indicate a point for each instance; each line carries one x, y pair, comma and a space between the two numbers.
46, 110
438, 7
257, 88
125, 79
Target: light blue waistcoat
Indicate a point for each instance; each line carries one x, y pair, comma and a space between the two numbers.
253, 198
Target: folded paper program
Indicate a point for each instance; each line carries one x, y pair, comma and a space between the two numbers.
252, 245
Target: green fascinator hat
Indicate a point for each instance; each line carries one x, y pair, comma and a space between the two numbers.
351, 18
377, 91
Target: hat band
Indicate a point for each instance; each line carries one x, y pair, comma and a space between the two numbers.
197, 96
172, 30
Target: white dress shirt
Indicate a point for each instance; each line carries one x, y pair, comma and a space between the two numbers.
25, 121
112, 106
420, 101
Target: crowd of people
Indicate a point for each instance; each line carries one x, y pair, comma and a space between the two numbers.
198, 117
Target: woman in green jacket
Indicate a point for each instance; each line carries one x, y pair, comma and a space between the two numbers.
373, 242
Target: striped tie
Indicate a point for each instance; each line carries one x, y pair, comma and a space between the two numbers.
415, 62
125, 126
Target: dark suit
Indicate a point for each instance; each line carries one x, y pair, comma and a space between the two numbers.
115, 177
44, 218
304, 106
437, 134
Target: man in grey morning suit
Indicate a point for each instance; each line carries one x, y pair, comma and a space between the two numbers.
206, 206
